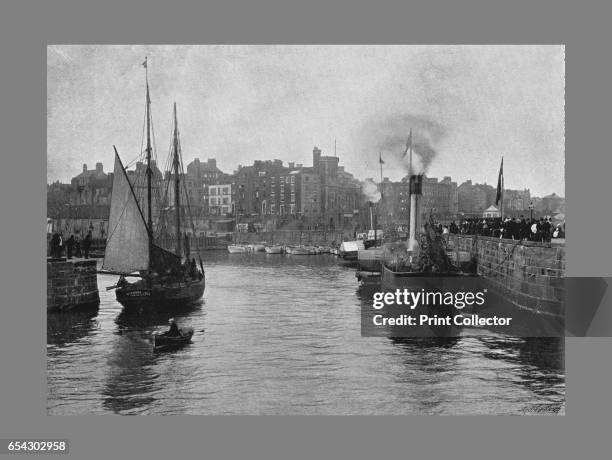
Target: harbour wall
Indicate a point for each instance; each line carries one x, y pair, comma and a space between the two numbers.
528, 274
71, 284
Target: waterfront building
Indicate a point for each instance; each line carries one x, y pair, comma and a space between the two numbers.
251, 187
219, 199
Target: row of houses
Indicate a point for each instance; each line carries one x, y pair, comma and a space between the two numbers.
274, 194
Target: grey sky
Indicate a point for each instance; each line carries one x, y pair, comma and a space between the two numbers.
466, 105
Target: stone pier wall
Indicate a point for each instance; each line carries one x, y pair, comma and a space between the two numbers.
71, 284
530, 275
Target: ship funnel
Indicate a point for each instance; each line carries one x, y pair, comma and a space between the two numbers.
416, 190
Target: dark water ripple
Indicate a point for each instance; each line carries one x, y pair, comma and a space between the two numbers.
282, 336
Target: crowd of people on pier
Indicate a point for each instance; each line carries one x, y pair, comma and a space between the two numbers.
514, 228
72, 246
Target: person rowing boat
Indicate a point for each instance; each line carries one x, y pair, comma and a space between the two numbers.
174, 330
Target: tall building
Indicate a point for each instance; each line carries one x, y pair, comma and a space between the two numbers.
296, 194
220, 199
251, 186
341, 196
395, 205
516, 200
440, 198
474, 199
205, 172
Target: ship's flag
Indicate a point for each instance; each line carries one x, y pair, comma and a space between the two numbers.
144, 64
408, 144
500, 182
380, 160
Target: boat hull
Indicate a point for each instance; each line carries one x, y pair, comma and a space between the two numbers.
138, 295
274, 249
301, 251
236, 249
416, 280
348, 255
163, 341
256, 248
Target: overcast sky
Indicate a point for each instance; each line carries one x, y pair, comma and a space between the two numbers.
466, 105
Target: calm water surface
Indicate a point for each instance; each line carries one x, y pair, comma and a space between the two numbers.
282, 336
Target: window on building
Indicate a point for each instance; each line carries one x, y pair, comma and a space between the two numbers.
272, 209
292, 207
293, 179
293, 197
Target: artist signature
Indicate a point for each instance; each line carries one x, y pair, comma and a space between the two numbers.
542, 409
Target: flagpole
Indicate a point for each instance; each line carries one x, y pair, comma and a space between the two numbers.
410, 168
381, 177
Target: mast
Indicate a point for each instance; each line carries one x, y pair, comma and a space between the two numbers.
149, 173
412, 244
501, 208
177, 200
382, 196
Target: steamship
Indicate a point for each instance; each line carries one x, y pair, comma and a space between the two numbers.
421, 264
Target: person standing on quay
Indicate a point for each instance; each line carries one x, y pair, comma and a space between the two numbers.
77, 247
69, 246
87, 244
60, 245
55, 251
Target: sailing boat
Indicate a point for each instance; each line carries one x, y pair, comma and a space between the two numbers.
165, 278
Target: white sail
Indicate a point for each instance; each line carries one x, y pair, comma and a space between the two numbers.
127, 244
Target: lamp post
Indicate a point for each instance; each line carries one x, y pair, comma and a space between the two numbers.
80, 189
531, 211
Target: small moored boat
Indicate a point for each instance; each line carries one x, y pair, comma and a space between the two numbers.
256, 248
274, 249
301, 251
236, 249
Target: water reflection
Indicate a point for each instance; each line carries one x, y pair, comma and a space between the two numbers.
66, 327
131, 383
282, 336
154, 318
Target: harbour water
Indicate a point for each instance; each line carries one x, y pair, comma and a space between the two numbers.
281, 334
